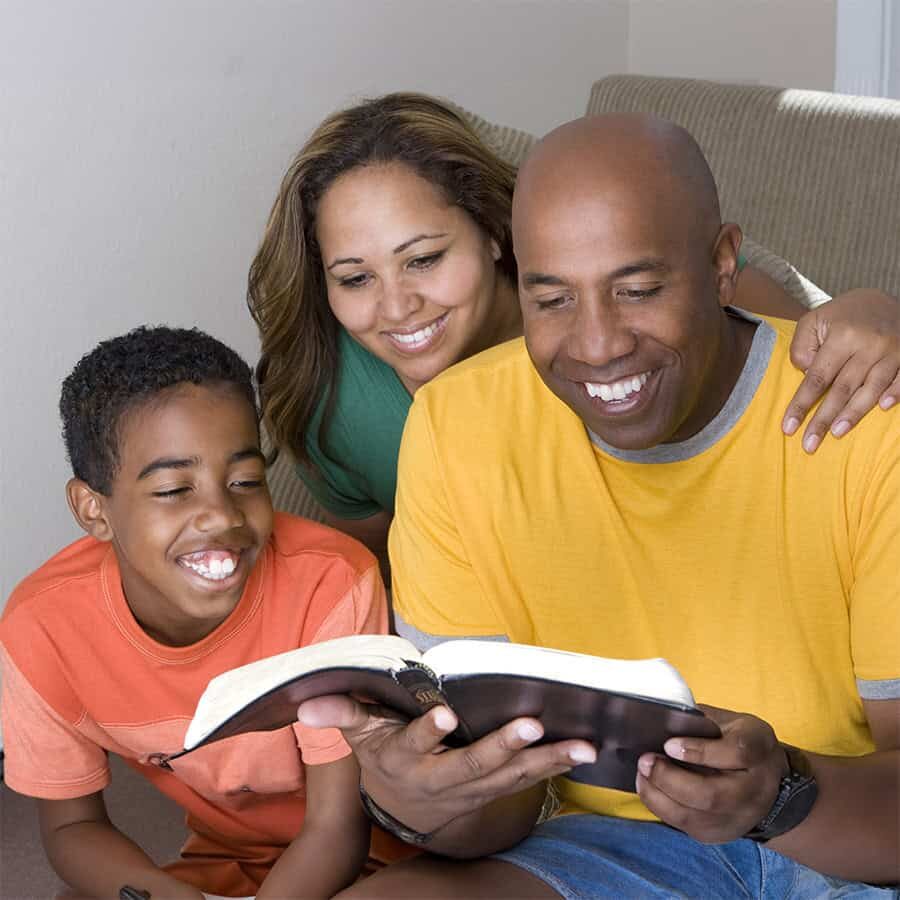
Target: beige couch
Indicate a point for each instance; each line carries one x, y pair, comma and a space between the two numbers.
812, 176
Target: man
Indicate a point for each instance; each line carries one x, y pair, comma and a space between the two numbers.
618, 491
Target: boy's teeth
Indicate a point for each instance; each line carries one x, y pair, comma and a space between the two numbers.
617, 390
215, 565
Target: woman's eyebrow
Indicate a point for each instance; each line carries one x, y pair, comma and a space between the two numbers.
419, 237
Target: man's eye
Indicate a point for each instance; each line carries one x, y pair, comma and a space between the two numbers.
638, 293
171, 492
425, 262
354, 281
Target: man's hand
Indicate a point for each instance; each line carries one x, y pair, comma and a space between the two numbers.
408, 772
849, 350
745, 768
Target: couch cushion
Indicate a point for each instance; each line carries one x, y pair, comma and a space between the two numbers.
814, 176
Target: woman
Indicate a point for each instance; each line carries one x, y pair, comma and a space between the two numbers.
388, 257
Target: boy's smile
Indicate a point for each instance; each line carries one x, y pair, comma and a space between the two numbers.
189, 510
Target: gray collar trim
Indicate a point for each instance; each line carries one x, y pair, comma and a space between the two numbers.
744, 390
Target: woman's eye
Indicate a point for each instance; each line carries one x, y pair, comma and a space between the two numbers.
248, 483
354, 281
425, 262
551, 302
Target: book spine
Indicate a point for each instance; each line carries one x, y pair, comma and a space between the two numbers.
425, 688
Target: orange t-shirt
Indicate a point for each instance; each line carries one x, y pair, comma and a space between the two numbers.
81, 678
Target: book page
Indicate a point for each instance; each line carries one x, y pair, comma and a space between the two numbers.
230, 692
655, 679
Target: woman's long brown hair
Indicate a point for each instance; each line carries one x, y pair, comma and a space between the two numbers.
286, 290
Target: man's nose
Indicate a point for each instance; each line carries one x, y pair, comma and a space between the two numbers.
399, 301
219, 512
601, 333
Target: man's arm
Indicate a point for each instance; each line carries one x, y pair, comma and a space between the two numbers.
853, 830
333, 843
91, 855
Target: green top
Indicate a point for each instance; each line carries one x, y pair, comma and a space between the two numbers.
356, 466
356, 463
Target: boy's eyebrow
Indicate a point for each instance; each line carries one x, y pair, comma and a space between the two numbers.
168, 462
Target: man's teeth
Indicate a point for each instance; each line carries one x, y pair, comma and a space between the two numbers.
217, 570
418, 336
617, 390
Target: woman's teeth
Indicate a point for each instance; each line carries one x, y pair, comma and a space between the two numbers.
420, 337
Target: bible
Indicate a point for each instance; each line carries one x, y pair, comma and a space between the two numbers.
623, 707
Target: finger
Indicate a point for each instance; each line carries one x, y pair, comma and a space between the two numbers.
425, 734
839, 394
818, 377
891, 395
691, 807
524, 769
747, 742
487, 757
878, 381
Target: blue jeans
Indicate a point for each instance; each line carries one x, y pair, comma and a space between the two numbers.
583, 857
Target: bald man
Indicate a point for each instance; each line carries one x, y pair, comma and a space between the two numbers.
611, 485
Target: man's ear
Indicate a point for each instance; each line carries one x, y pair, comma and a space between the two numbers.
89, 508
725, 261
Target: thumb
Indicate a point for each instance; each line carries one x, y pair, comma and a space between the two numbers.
335, 711
807, 341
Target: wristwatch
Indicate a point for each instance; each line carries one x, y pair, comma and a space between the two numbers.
393, 826
796, 795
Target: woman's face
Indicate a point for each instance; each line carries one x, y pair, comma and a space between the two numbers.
409, 276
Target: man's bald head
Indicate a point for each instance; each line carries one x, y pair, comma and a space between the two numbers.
624, 266
641, 155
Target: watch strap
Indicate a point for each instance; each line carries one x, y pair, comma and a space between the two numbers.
390, 824
797, 793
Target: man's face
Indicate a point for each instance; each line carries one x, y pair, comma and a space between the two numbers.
189, 510
621, 310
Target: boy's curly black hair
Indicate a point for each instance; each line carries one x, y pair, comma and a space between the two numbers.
124, 372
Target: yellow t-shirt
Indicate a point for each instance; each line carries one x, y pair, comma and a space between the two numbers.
769, 578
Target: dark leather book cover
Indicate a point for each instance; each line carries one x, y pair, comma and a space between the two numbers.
620, 726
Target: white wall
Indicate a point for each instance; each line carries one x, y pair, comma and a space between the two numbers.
141, 144
787, 43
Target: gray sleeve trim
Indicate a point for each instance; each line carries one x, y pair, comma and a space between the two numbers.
881, 689
423, 640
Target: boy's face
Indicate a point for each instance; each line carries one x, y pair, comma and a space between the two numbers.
189, 510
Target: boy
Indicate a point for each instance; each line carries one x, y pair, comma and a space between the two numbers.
186, 572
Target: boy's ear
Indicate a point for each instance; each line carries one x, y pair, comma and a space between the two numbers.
89, 509
725, 261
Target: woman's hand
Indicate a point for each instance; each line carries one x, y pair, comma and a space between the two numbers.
849, 348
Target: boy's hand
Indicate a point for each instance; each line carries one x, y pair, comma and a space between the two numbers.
745, 768
409, 773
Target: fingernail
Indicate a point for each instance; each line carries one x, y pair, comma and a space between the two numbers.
528, 731
674, 748
791, 425
582, 755
887, 402
645, 765
443, 719
810, 442
839, 429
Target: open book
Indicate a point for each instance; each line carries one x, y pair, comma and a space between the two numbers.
624, 707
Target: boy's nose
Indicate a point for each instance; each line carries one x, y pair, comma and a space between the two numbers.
220, 513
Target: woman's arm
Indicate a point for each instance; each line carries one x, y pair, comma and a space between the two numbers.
333, 843
849, 350
371, 531
91, 855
